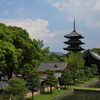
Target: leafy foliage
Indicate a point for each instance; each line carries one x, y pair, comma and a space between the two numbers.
75, 73
16, 88
88, 72
33, 81
75, 60
66, 77
51, 78
94, 68
18, 53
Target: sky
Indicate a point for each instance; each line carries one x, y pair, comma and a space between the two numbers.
50, 20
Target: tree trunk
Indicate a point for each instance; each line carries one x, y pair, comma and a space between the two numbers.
10, 73
42, 88
32, 95
65, 86
0, 77
51, 89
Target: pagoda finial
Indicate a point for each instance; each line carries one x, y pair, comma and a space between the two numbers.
74, 25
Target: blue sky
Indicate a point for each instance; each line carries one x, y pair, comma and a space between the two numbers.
50, 20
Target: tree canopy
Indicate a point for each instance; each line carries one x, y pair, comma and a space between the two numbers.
18, 53
16, 89
51, 78
75, 60
33, 81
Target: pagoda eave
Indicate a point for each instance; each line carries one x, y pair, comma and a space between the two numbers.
80, 37
76, 49
74, 42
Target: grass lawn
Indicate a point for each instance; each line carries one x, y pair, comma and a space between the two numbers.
77, 84
48, 95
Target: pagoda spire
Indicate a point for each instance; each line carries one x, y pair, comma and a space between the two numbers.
74, 25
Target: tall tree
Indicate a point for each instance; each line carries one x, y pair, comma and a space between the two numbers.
51, 79
95, 68
8, 58
33, 81
75, 74
66, 77
81, 75
18, 52
16, 89
88, 72
75, 60
43, 51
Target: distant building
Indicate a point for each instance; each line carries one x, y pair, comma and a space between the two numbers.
74, 41
91, 57
56, 66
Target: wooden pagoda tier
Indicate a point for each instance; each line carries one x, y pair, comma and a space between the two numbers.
74, 41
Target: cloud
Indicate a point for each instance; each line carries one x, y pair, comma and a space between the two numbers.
20, 9
7, 2
97, 5
6, 11
70, 19
37, 29
86, 10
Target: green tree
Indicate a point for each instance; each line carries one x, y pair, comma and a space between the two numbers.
75, 74
51, 79
81, 75
16, 89
43, 51
75, 60
33, 81
87, 71
8, 58
18, 52
95, 68
66, 77
53, 57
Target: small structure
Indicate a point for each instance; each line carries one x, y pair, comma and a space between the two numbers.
91, 57
56, 66
74, 41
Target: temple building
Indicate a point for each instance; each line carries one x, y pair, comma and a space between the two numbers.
74, 41
90, 58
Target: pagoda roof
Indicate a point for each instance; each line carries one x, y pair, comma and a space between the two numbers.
74, 48
73, 34
74, 42
92, 53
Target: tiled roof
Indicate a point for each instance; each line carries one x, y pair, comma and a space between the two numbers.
73, 34
74, 42
51, 65
94, 54
73, 48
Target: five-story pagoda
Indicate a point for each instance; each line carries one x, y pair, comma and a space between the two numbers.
74, 41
